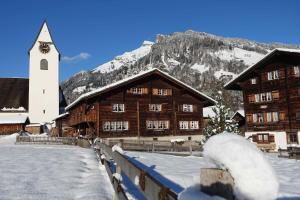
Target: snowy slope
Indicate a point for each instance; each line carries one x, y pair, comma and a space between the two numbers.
126, 59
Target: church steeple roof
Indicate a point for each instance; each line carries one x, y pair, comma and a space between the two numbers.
44, 26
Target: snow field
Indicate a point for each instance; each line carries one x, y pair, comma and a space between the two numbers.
35, 172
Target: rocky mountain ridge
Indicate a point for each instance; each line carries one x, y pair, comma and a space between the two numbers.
202, 60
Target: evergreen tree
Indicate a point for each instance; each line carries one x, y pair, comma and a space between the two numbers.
220, 122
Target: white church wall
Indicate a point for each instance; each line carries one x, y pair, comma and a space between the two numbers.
43, 84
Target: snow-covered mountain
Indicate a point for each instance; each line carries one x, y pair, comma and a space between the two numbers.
202, 60
126, 59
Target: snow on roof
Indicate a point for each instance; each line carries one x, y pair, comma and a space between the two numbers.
13, 109
61, 115
241, 112
83, 96
267, 55
13, 119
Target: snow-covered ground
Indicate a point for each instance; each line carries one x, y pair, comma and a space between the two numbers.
35, 172
184, 172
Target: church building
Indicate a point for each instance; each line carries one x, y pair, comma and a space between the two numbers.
35, 101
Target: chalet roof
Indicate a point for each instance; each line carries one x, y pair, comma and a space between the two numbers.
14, 94
61, 115
233, 83
238, 112
13, 119
143, 74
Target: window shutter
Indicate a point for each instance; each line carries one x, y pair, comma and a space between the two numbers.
155, 91
271, 138
275, 94
145, 91
254, 138
265, 117
249, 118
282, 116
169, 92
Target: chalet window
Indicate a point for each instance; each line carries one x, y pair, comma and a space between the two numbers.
157, 125
269, 96
187, 108
297, 71
253, 81
275, 116
275, 94
184, 125
269, 117
115, 126
273, 75
44, 64
194, 124
254, 118
138, 90
260, 117
263, 137
263, 97
293, 138
162, 92
257, 98
118, 108
155, 107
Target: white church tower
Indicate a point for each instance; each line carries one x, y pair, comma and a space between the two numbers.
43, 78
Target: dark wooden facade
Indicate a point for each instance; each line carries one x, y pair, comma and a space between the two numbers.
89, 115
283, 100
6, 129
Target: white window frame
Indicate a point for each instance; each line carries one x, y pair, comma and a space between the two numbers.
270, 76
275, 116
263, 97
275, 74
260, 117
297, 71
155, 107
257, 98
187, 107
269, 96
115, 126
269, 116
184, 125
253, 81
194, 125
255, 118
106, 126
162, 92
118, 107
157, 125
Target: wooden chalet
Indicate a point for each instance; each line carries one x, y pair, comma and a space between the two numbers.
239, 118
149, 104
13, 105
271, 92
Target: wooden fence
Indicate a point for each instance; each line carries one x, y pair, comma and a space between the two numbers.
45, 140
155, 146
147, 185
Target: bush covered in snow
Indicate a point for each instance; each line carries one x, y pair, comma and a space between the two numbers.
253, 175
219, 122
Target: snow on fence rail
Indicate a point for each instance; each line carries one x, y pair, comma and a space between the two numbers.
147, 185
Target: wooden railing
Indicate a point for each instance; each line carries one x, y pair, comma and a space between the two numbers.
150, 187
45, 140
155, 146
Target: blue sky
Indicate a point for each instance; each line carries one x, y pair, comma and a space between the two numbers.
97, 30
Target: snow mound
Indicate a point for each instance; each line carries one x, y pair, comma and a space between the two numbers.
9, 139
117, 148
253, 175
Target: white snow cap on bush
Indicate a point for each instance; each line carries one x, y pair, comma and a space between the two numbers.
253, 175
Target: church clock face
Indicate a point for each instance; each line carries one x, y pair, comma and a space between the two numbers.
44, 48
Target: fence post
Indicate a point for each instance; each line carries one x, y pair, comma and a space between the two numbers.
190, 146
217, 182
